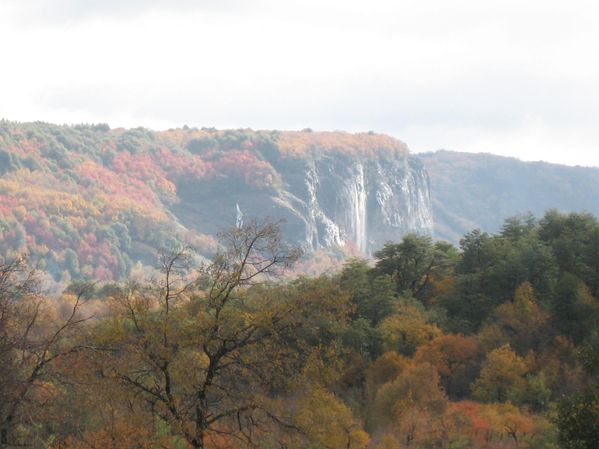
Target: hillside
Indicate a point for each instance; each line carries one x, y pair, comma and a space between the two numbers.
89, 201
471, 191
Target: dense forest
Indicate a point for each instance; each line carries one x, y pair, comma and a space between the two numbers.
490, 345
87, 201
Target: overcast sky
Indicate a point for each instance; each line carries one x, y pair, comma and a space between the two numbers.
511, 77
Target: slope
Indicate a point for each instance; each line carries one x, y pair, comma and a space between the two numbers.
471, 191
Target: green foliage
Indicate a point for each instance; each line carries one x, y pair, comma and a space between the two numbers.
363, 338
414, 264
373, 297
575, 310
578, 421
522, 323
578, 417
537, 394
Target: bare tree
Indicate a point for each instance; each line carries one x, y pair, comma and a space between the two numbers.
29, 347
203, 354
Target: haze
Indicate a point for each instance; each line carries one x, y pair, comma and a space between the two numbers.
507, 77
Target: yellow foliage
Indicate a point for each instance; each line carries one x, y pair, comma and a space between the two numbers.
501, 377
329, 422
386, 368
407, 329
297, 143
416, 389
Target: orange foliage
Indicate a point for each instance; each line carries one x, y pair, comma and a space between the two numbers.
447, 352
65, 183
297, 143
245, 166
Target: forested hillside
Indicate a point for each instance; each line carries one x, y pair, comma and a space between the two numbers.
492, 345
91, 202
471, 191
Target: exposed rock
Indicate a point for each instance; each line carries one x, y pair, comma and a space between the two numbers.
326, 200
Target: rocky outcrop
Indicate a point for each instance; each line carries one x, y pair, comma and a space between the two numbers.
327, 200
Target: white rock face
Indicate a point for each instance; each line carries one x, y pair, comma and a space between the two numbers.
356, 212
363, 202
238, 216
328, 200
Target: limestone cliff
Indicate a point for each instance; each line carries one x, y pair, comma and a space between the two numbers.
326, 197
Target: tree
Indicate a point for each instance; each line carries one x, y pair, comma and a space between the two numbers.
324, 419
522, 322
493, 266
578, 416
569, 235
455, 357
373, 298
578, 421
414, 263
501, 377
386, 369
33, 339
413, 405
575, 311
518, 227
591, 262
406, 329
204, 352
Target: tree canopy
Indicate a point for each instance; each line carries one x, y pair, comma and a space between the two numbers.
493, 345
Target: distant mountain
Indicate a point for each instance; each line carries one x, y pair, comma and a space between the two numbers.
471, 191
90, 201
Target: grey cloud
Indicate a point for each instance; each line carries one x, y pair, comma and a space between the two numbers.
496, 102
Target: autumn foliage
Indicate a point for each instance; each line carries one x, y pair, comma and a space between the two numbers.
492, 345
90, 202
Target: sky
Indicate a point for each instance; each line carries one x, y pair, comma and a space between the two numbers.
511, 77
